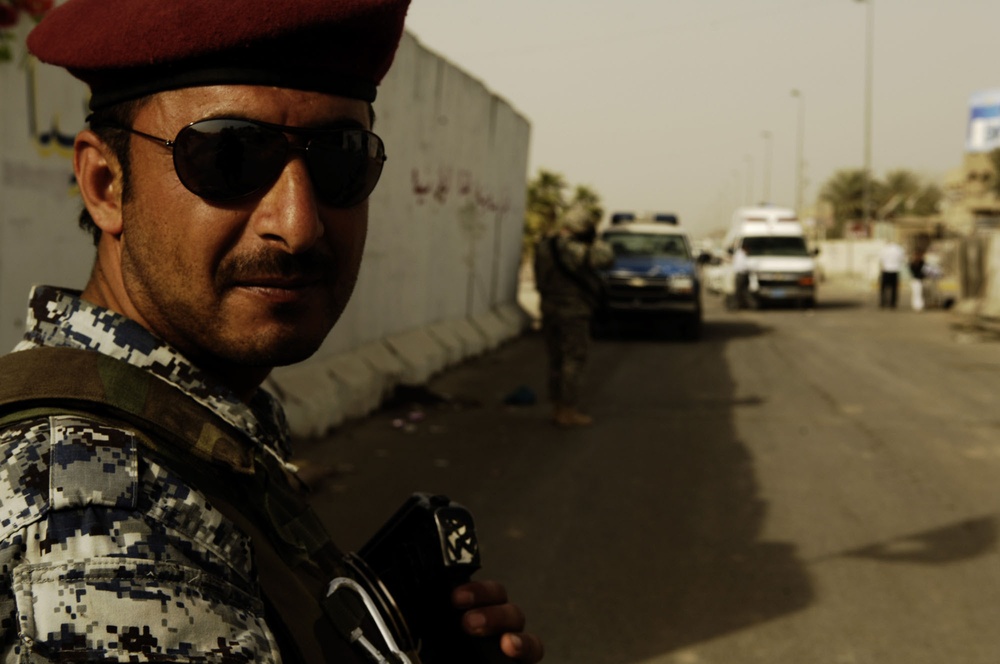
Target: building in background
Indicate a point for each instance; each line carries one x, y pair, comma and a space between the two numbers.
971, 199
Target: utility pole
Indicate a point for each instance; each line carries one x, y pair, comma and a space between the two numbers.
869, 80
767, 166
799, 151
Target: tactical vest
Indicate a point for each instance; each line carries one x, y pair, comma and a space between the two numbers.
295, 557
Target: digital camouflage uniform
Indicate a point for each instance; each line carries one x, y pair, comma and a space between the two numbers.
108, 555
567, 304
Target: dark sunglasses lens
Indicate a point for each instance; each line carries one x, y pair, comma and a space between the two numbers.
222, 160
345, 165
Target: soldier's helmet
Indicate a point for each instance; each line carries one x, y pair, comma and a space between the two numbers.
578, 219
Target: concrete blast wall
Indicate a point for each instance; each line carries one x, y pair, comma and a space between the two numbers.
439, 279
979, 279
859, 258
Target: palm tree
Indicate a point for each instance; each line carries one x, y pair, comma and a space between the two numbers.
902, 193
906, 195
901, 187
927, 202
545, 204
845, 192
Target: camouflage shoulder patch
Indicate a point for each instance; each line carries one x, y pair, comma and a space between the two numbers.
91, 464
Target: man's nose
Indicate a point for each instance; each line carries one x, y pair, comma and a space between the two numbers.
288, 214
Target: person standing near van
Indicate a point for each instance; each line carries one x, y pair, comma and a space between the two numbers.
891, 261
566, 265
741, 272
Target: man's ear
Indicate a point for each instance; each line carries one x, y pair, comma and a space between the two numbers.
99, 176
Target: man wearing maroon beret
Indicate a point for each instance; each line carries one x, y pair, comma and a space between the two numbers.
147, 508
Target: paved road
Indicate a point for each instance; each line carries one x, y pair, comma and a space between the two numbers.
799, 487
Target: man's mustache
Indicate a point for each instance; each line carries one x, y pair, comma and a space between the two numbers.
248, 267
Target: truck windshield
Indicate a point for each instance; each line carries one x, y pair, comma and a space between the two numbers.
775, 245
648, 244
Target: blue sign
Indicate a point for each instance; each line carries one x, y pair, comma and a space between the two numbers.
984, 122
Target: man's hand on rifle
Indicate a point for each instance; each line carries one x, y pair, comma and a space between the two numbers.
488, 612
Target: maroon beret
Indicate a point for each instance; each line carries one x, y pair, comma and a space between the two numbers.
125, 49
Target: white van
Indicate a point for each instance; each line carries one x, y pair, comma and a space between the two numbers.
767, 259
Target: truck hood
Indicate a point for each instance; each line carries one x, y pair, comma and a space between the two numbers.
650, 266
781, 263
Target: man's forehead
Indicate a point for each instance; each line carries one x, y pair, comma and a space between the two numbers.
272, 104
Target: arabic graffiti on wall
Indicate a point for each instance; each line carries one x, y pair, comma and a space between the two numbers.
462, 184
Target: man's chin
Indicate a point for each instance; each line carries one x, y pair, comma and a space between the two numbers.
275, 352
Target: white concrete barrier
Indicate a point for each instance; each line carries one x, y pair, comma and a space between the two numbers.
475, 342
493, 327
313, 401
444, 333
421, 354
385, 363
515, 317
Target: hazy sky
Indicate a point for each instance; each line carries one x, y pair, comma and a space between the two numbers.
661, 105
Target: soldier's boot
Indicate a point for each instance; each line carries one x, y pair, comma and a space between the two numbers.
567, 416
563, 416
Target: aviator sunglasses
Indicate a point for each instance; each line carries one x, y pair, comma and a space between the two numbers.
225, 159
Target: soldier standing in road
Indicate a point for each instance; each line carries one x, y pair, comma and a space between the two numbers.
566, 265
148, 509
741, 275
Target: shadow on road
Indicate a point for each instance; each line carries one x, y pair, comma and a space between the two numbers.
722, 330
651, 331
673, 553
838, 300
939, 546
843, 303
631, 539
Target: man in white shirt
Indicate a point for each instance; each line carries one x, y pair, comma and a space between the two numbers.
891, 261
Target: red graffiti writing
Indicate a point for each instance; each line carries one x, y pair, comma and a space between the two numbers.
463, 183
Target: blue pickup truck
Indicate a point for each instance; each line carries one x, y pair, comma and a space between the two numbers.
654, 277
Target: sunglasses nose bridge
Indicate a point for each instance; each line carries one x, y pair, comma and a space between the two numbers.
287, 212
275, 159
